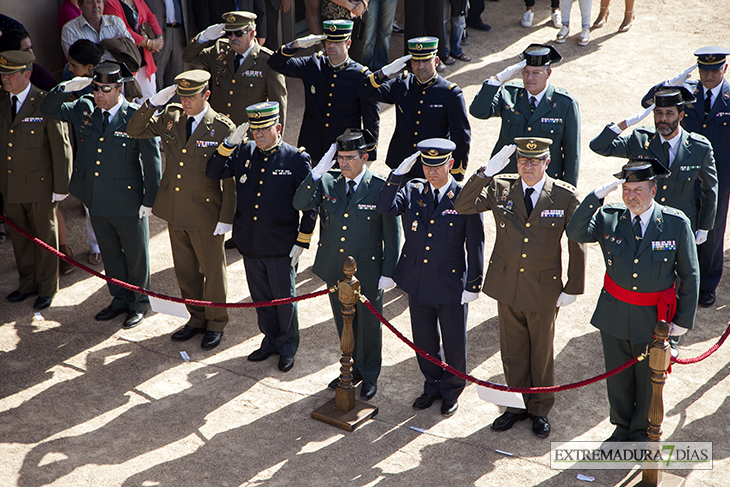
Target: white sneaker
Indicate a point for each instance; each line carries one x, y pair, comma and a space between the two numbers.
563, 34
527, 18
584, 37
557, 19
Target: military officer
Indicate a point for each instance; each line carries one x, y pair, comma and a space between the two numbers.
198, 211
440, 265
116, 177
428, 106
239, 74
331, 103
709, 117
267, 229
352, 227
34, 171
648, 248
534, 108
531, 210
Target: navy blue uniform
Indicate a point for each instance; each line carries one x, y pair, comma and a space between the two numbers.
435, 109
331, 103
443, 255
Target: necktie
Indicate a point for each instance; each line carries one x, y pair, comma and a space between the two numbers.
13, 108
238, 59
435, 198
105, 122
637, 230
350, 189
708, 102
533, 103
528, 200
189, 128
665, 147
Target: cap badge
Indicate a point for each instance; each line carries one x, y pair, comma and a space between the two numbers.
231, 18
184, 83
710, 58
333, 27
3, 61
531, 145
433, 152
256, 114
419, 46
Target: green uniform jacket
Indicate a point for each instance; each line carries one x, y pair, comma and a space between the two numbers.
108, 176
694, 160
526, 260
232, 90
667, 254
556, 117
353, 228
36, 159
187, 199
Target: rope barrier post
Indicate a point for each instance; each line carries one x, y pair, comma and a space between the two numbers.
344, 411
659, 360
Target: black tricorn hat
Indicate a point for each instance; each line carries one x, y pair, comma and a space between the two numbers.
540, 55
637, 170
110, 72
355, 139
672, 97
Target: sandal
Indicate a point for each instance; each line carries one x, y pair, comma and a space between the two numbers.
626, 24
601, 19
448, 60
462, 57
94, 258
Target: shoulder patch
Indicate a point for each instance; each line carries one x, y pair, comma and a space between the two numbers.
614, 206
564, 185
673, 211
452, 86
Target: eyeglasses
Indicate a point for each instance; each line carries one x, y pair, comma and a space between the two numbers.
530, 160
104, 88
348, 158
238, 33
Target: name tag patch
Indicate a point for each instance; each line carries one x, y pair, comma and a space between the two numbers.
552, 213
200, 144
32, 119
663, 245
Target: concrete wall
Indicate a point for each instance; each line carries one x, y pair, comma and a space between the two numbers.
39, 19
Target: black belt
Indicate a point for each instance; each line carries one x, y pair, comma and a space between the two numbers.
174, 25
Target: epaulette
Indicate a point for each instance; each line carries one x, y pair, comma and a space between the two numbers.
320, 54
673, 211
699, 138
42, 93
507, 176
513, 83
564, 92
266, 50
364, 68
301, 149
379, 176
614, 206
222, 118
452, 86
405, 73
564, 185
646, 129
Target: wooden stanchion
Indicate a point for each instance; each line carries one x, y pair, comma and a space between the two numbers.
344, 411
659, 360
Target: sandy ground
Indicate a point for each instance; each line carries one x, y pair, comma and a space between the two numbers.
86, 403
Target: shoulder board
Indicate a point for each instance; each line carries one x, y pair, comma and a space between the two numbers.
301, 149
646, 130
699, 138
673, 211
564, 185
90, 98
42, 93
405, 73
452, 86
266, 50
613, 206
379, 176
320, 54
364, 68
225, 120
513, 84
506, 176
564, 92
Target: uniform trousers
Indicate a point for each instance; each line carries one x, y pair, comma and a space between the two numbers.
37, 268
169, 60
124, 245
526, 345
435, 326
424, 18
200, 267
367, 331
270, 279
629, 391
710, 253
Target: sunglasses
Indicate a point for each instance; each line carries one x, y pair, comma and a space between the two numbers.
238, 33
105, 88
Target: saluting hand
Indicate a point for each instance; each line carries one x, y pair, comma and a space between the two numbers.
682, 77
498, 161
638, 116
407, 164
510, 72
603, 191
212, 33
163, 97
308, 41
76, 84
326, 163
396, 66
237, 136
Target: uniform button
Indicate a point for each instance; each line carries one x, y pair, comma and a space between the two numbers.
529, 129
425, 261
373, 257
342, 239
334, 76
555, 278
634, 288
184, 151
177, 189
431, 222
451, 224
428, 248
256, 206
419, 112
524, 256
251, 85
11, 131
258, 194
96, 174
332, 85
552, 224
522, 269
527, 240
327, 114
346, 215
636, 261
179, 177
423, 92
326, 125
635, 275
261, 182
663, 200
101, 139
233, 81
590, 206
329, 104
265, 160
421, 102
230, 92
344, 227
704, 125
263, 170
342, 251
228, 104
182, 163
98, 150
527, 224
309, 187
415, 133
418, 122
330, 94
98, 163
414, 145
207, 200
664, 187
430, 234
129, 187
10, 144
255, 218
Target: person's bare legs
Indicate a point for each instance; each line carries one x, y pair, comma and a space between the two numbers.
311, 16
602, 15
628, 16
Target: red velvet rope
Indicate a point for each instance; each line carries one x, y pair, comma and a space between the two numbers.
710, 351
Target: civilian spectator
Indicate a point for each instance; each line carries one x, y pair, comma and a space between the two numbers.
174, 18
378, 28
94, 26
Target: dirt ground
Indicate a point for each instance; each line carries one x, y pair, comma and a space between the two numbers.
86, 403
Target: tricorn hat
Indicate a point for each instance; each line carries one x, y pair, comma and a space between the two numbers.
637, 170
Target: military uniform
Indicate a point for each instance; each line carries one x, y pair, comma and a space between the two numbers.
192, 205
525, 274
35, 163
666, 255
694, 161
354, 229
113, 181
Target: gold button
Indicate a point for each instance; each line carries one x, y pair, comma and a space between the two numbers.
258, 194
309, 187
421, 102
262, 169
430, 234
451, 224
96, 174
665, 259
230, 92
634, 288
256, 206
327, 114
555, 277
228, 104
10, 144
332, 85
98, 150
419, 112
177, 189
342, 239
524, 256
552, 224
373, 257
207, 200
265, 160
11, 131
261, 182
255, 218
101, 139
423, 92
129, 187
425, 261
330, 94
428, 248
334, 76
98, 163
636, 261
344, 227
704, 125
347, 215
590, 206
184, 151
329, 104
522, 269
342, 251
418, 122
664, 187
527, 240
178, 176
326, 125
527, 224
663, 200
635, 275
431, 222
233, 81
529, 129
182, 163
415, 133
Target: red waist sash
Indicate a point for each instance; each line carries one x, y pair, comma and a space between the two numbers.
665, 301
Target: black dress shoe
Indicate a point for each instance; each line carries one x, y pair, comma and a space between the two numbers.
230, 244
707, 299
17, 296
186, 333
211, 339
286, 362
356, 379
424, 401
481, 26
259, 355
42, 302
368, 390
507, 420
540, 426
109, 313
133, 319
449, 407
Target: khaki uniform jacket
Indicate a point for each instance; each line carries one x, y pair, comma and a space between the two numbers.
36, 158
186, 198
232, 90
525, 268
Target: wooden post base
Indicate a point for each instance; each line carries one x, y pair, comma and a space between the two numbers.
664, 479
347, 421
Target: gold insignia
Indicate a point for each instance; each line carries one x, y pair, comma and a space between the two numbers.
433, 152
646, 144
419, 46
333, 27
531, 145
256, 114
313, 89
184, 83
231, 18
3, 61
710, 58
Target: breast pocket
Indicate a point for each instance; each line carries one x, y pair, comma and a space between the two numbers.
686, 179
365, 221
663, 262
612, 256
551, 229
505, 221
552, 128
31, 135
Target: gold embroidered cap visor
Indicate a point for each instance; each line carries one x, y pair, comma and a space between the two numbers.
13, 61
263, 115
191, 82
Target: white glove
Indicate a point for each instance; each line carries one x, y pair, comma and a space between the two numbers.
676, 330
407, 164
498, 161
639, 116
144, 211
76, 84
386, 283
60, 197
603, 191
700, 236
681, 78
467, 297
162, 97
510, 72
222, 228
396, 66
296, 251
326, 163
237, 136
309, 41
212, 33
565, 300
